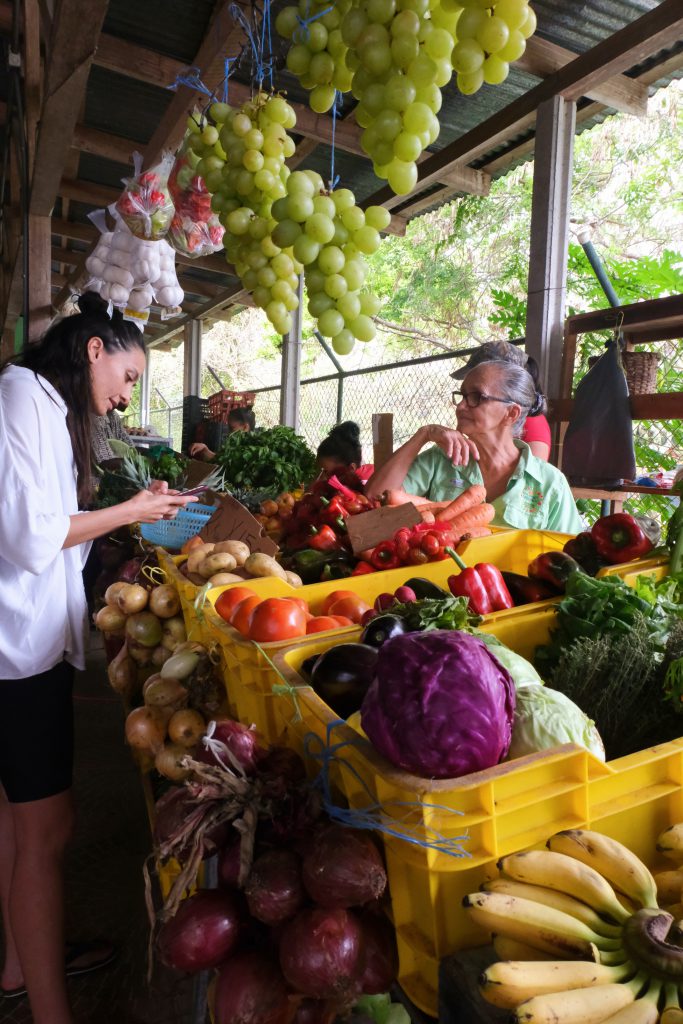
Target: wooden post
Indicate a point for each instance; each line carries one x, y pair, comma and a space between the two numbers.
555, 125
382, 438
290, 390
192, 367
39, 276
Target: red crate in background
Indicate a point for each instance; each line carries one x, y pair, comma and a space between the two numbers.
223, 402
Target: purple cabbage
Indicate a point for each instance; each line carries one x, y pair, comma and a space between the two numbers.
440, 704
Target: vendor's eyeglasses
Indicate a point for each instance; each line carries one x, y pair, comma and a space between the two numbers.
474, 398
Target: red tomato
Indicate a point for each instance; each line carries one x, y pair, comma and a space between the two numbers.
341, 620
336, 595
302, 603
354, 607
242, 613
321, 623
277, 618
231, 597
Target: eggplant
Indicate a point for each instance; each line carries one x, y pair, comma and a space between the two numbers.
426, 589
342, 675
524, 590
382, 628
306, 668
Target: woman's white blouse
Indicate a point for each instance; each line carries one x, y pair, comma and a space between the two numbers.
43, 610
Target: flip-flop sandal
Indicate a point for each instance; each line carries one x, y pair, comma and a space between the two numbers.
102, 954
74, 951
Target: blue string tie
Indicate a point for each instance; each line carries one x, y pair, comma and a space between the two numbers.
334, 179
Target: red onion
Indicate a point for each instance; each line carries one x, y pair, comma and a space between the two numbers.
203, 932
321, 954
241, 741
274, 889
282, 767
380, 956
170, 812
343, 868
130, 570
316, 1011
251, 990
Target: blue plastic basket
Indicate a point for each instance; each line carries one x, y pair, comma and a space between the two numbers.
172, 533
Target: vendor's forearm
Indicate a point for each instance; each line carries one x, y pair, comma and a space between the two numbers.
392, 474
90, 525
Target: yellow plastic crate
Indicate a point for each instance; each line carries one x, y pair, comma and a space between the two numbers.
510, 807
637, 566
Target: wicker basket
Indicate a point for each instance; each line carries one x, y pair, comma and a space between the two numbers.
641, 372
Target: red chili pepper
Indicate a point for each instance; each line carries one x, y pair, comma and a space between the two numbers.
619, 538
483, 585
345, 492
431, 545
324, 539
363, 568
385, 556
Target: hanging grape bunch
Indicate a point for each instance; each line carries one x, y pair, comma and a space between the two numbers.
398, 55
329, 235
490, 37
246, 173
317, 53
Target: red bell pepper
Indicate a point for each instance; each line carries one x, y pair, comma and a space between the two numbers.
619, 538
385, 556
363, 568
554, 567
483, 585
324, 539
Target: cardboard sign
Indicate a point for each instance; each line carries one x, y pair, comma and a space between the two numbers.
232, 521
195, 472
369, 528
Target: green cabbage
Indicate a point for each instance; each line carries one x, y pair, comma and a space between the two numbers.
522, 671
546, 718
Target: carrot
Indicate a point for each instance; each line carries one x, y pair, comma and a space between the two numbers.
475, 531
473, 517
474, 495
398, 497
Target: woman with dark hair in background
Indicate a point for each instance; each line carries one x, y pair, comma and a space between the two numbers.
341, 450
238, 419
536, 429
84, 366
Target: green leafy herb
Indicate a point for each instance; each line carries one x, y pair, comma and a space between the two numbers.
436, 613
276, 460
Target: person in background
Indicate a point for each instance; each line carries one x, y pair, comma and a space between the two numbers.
486, 448
238, 419
84, 366
342, 449
105, 429
536, 430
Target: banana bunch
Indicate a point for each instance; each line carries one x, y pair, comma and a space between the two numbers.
580, 933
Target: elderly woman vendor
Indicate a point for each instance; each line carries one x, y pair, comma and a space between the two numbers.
526, 492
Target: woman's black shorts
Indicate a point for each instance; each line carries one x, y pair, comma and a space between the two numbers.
37, 734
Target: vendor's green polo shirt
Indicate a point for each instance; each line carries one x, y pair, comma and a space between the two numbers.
537, 496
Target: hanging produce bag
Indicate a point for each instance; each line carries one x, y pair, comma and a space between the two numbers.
145, 203
598, 446
195, 229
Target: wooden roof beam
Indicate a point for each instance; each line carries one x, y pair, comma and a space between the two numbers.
644, 37
75, 30
543, 58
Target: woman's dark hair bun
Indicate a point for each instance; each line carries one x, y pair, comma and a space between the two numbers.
348, 430
91, 302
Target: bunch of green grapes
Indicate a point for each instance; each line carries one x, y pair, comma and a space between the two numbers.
317, 54
246, 174
330, 235
491, 34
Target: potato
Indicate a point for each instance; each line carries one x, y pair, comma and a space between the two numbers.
237, 548
259, 564
221, 579
197, 556
212, 564
293, 579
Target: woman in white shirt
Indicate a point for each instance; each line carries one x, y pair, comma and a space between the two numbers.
83, 367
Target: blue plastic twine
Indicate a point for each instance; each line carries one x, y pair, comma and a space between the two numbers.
375, 817
263, 65
191, 78
334, 181
310, 18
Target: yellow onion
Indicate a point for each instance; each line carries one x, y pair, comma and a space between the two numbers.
167, 762
111, 619
186, 727
180, 665
173, 632
113, 590
164, 601
160, 654
144, 628
140, 654
146, 729
132, 598
122, 673
160, 692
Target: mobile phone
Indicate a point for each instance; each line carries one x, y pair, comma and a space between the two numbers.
195, 490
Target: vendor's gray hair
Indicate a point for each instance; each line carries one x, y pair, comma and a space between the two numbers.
516, 384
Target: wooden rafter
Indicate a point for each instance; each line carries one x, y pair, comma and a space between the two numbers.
644, 37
